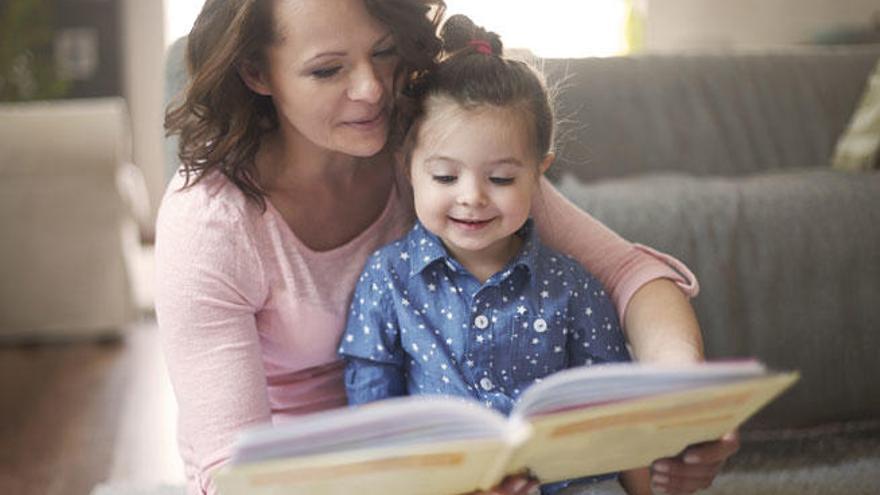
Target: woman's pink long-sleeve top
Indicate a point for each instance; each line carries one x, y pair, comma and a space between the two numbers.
250, 316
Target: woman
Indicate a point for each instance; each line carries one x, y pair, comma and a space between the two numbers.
287, 132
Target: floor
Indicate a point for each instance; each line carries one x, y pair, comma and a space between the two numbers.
75, 415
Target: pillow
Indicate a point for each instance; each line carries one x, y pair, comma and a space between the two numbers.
859, 146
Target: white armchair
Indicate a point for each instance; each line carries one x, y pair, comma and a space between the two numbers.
69, 235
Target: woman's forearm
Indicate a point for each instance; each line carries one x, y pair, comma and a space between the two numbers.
661, 326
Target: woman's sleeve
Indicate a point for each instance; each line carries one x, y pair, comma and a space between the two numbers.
209, 286
622, 267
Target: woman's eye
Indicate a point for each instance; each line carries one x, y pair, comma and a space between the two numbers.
387, 52
444, 179
325, 73
501, 181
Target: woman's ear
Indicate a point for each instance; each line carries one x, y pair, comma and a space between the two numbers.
548, 160
254, 78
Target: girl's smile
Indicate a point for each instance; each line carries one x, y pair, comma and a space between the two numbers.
471, 225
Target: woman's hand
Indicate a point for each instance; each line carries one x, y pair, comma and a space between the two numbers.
694, 468
513, 485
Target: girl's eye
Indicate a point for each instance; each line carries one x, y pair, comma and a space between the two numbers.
502, 181
387, 52
325, 73
444, 179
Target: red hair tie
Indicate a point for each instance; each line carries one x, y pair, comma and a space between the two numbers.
481, 46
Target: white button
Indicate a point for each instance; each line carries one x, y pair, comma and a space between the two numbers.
486, 384
540, 325
481, 322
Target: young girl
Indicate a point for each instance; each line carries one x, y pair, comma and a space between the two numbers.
470, 302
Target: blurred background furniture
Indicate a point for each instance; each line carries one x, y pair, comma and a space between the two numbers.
69, 201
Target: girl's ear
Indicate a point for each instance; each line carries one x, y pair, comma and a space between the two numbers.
548, 160
254, 78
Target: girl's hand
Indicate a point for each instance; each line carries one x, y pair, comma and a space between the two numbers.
513, 485
694, 468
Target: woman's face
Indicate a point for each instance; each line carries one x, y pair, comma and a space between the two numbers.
330, 75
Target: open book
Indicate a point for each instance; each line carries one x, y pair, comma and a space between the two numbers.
574, 423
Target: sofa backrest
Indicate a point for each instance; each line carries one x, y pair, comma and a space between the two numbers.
705, 114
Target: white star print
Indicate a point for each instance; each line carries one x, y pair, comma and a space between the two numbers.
404, 256
521, 309
432, 287
545, 294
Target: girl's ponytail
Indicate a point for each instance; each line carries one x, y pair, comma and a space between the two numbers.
460, 33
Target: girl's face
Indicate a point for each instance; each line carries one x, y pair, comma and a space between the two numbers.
474, 173
330, 75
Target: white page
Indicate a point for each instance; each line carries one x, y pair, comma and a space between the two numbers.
621, 381
393, 422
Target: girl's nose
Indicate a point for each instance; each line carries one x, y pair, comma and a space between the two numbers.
471, 193
366, 86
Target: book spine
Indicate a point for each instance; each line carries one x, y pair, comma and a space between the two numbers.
517, 432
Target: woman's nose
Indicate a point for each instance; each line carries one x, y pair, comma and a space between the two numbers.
366, 85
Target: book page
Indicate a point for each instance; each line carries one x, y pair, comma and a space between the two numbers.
411, 445
632, 433
390, 423
580, 387
439, 468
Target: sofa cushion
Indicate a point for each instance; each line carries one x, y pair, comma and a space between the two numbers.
788, 264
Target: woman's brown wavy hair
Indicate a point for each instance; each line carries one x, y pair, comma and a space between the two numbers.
220, 121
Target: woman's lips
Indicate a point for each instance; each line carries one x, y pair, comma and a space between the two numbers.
368, 123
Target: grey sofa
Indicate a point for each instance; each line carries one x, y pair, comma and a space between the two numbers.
723, 161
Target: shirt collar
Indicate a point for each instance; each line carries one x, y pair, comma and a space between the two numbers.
424, 248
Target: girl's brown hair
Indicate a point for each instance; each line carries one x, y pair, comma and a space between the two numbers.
220, 121
474, 73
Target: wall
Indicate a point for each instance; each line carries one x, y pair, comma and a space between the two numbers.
143, 82
700, 24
